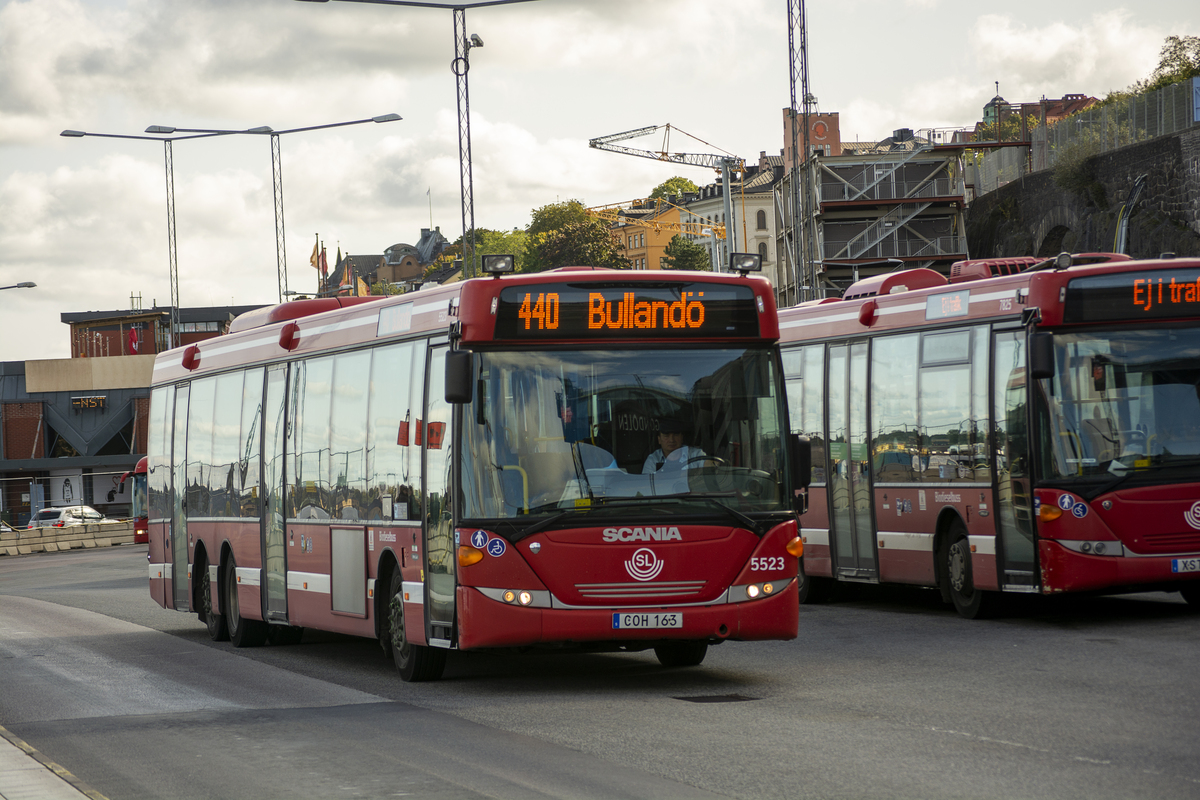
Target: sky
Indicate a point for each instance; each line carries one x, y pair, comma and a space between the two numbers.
86, 218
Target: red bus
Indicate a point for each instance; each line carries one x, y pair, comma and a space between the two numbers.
1019, 428
138, 504
479, 466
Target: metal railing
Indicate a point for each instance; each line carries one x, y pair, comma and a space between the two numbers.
1129, 121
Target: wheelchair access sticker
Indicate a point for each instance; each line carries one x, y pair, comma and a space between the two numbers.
1078, 508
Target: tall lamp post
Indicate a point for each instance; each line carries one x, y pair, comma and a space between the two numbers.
460, 66
276, 174
21, 285
172, 256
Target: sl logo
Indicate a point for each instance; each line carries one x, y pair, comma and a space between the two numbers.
644, 566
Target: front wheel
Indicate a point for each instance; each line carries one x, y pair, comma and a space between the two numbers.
217, 630
813, 590
681, 654
242, 632
414, 662
970, 602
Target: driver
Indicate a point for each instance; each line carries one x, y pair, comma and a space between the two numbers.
672, 453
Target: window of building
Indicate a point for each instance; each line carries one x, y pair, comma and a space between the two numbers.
762, 250
762, 220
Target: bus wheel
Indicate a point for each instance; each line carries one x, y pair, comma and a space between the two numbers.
681, 654
970, 602
242, 632
1191, 593
813, 590
414, 662
217, 630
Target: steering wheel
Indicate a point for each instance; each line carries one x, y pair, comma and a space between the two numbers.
720, 461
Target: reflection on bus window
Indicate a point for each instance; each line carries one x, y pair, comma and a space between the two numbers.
1121, 402
559, 429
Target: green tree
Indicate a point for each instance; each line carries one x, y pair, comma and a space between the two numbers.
489, 242
682, 253
589, 243
384, 288
675, 186
556, 215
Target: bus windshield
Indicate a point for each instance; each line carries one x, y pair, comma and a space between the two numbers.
1122, 402
559, 430
139, 507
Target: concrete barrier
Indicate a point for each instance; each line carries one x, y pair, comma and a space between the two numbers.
71, 537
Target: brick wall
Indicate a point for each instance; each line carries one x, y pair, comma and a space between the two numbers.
24, 436
141, 423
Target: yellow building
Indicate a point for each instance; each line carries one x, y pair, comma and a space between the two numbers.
645, 231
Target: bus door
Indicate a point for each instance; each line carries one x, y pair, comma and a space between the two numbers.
851, 525
177, 539
274, 543
1016, 552
439, 550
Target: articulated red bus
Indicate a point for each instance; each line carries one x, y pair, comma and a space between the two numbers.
138, 505
1018, 428
479, 466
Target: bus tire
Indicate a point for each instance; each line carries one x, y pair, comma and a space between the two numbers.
217, 630
681, 654
970, 602
242, 632
813, 590
414, 662
1191, 594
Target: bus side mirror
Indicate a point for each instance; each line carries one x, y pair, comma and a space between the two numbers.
1041, 356
800, 454
459, 376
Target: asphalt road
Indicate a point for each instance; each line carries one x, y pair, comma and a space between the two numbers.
885, 694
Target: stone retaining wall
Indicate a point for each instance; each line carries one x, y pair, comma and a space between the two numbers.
72, 537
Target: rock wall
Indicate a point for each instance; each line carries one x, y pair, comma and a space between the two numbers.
1035, 215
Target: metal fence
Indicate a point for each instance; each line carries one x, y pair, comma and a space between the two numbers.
1136, 119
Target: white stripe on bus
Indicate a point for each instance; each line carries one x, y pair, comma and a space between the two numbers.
414, 592
817, 536
905, 540
982, 545
247, 576
308, 582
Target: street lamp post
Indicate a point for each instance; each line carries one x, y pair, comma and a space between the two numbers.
172, 256
276, 173
21, 285
460, 66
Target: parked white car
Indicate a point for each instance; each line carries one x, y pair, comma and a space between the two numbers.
61, 516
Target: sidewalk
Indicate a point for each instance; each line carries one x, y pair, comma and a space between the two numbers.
25, 774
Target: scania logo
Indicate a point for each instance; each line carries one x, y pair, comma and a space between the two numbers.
1192, 515
660, 534
644, 566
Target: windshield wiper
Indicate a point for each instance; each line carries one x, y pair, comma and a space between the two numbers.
741, 519
1105, 488
594, 504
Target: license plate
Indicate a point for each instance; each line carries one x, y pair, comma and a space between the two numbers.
638, 621
1185, 565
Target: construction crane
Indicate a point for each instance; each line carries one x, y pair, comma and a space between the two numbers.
724, 163
615, 213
